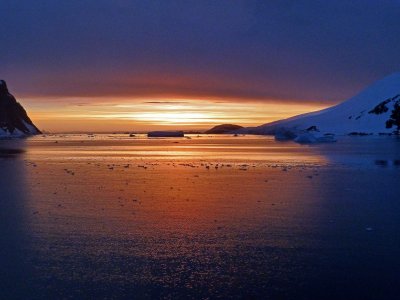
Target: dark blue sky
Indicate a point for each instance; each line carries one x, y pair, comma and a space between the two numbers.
301, 50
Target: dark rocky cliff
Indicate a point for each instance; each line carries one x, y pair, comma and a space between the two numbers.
14, 120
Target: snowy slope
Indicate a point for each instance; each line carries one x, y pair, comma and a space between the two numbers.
366, 112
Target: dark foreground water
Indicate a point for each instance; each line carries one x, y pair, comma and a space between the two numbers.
111, 217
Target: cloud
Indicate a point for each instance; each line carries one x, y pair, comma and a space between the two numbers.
165, 102
231, 50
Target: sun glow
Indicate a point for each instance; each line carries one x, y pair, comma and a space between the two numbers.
174, 118
144, 114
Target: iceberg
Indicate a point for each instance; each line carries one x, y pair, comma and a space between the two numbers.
165, 134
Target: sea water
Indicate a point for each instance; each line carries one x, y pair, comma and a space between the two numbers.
113, 216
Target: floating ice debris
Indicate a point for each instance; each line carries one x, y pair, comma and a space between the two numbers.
311, 138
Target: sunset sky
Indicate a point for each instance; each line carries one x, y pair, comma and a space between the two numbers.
138, 65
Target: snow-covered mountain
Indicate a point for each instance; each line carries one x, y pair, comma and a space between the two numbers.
374, 110
14, 121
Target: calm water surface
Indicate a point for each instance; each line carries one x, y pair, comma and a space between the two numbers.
114, 217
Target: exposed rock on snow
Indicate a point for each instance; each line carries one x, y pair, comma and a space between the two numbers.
376, 110
395, 117
14, 121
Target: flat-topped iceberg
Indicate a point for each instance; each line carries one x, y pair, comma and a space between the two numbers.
165, 134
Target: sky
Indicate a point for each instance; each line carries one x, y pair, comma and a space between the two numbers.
106, 65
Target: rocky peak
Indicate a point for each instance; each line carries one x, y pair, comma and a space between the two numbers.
14, 121
3, 87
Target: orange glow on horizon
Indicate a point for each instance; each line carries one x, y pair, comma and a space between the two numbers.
96, 115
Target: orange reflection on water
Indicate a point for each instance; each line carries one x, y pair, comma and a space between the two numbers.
194, 147
224, 187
